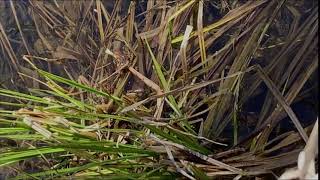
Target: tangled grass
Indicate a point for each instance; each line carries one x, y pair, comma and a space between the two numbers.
157, 89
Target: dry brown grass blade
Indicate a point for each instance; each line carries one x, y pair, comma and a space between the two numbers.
276, 115
43, 39
170, 156
147, 81
100, 25
163, 44
289, 97
282, 160
296, 14
200, 34
65, 53
290, 138
199, 81
183, 59
7, 46
299, 60
232, 15
201, 156
106, 15
282, 102
187, 88
87, 10
291, 72
130, 22
289, 46
183, 51
243, 59
35, 76
149, 15
19, 27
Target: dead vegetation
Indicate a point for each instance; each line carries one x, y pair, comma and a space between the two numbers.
156, 89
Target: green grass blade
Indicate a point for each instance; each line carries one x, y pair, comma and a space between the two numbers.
77, 85
11, 157
65, 171
102, 148
13, 94
163, 80
182, 141
13, 130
